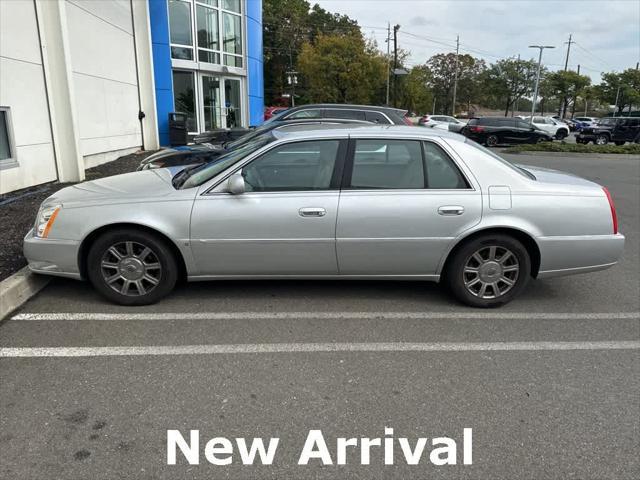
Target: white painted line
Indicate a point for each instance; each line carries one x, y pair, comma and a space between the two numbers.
311, 348
489, 315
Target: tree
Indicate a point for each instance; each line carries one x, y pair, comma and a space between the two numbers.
564, 85
629, 84
507, 81
442, 67
342, 69
415, 93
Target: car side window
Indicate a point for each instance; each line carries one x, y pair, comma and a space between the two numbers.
296, 166
343, 113
442, 172
387, 164
311, 113
376, 117
522, 124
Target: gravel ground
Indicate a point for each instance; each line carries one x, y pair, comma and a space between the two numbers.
18, 210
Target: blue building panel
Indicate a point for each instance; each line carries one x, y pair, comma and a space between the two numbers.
255, 61
159, 20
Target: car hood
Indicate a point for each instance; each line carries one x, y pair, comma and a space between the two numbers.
118, 188
547, 175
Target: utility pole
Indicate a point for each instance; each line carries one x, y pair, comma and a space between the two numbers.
563, 107
515, 107
455, 77
575, 98
292, 80
388, 60
535, 90
615, 107
395, 64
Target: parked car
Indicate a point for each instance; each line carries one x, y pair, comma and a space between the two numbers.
220, 135
271, 111
492, 131
572, 124
556, 128
614, 129
380, 115
444, 121
198, 154
317, 204
586, 121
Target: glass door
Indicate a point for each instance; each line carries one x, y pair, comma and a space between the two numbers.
233, 102
212, 106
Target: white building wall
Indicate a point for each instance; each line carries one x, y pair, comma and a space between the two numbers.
105, 85
22, 89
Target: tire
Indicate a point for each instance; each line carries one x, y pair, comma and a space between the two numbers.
601, 139
619, 143
561, 134
467, 285
141, 265
492, 140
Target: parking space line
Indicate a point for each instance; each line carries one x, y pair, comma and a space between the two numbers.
486, 315
30, 352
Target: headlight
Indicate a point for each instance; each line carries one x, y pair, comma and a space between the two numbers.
46, 216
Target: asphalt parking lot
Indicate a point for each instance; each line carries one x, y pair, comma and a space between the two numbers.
549, 384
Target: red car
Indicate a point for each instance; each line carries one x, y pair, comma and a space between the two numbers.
271, 111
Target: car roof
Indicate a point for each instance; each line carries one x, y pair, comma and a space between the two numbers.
346, 130
347, 106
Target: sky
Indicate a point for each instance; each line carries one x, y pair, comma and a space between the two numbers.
606, 32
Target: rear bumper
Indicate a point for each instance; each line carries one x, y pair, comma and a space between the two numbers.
52, 257
578, 254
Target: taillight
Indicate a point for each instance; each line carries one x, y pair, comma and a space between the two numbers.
614, 215
476, 129
407, 121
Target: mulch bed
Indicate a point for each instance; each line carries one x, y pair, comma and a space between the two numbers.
18, 210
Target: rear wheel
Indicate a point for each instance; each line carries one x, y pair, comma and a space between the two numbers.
601, 139
489, 271
492, 140
131, 267
562, 134
618, 143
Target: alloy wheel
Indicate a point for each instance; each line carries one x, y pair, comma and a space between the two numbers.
490, 272
131, 268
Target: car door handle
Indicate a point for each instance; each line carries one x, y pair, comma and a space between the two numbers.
451, 210
312, 212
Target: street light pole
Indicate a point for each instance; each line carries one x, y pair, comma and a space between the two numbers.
535, 90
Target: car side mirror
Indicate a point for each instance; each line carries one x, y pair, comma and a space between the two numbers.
235, 184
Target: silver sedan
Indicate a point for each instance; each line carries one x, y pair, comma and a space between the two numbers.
332, 203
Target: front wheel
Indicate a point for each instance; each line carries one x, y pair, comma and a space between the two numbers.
489, 271
131, 267
561, 134
601, 140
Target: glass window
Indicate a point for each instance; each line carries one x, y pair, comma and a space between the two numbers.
539, 120
233, 61
211, 102
234, 108
389, 164
376, 117
207, 21
233, 5
5, 145
184, 97
523, 124
295, 166
180, 29
348, 114
442, 173
231, 34
311, 113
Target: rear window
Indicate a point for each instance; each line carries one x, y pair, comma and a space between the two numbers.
376, 117
344, 113
513, 167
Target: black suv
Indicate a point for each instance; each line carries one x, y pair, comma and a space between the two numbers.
500, 130
614, 129
368, 113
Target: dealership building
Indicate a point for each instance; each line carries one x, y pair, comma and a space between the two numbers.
83, 82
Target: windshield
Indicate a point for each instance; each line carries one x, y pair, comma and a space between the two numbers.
276, 117
517, 169
196, 176
607, 121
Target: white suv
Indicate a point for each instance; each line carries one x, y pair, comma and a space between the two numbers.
557, 128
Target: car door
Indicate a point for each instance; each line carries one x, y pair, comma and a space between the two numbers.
402, 204
284, 222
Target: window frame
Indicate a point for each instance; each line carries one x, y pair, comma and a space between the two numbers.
349, 165
12, 161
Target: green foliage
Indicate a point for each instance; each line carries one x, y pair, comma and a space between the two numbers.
505, 82
342, 69
629, 84
628, 148
443, 67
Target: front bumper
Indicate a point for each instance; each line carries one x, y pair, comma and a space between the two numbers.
52, 257
578, 254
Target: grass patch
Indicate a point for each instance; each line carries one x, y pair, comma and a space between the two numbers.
628, 148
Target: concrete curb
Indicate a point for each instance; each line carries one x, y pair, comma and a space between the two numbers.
18, 288
606, 156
